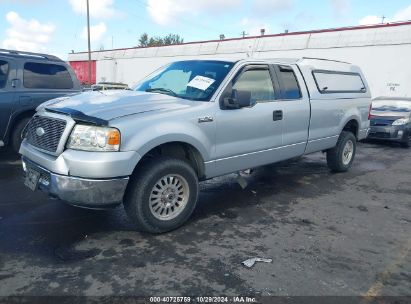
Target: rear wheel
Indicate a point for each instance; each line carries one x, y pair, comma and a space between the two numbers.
162, 195
340, 158
17, 133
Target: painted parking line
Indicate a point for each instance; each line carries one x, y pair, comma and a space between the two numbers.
384, 277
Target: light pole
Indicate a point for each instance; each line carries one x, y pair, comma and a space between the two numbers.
89, 46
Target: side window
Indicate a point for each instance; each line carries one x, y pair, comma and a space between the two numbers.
46, 76
258, 82
339, 82
4, 71
289, 83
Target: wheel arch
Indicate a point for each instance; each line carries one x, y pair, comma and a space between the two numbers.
15, 119
177, 149
352, 125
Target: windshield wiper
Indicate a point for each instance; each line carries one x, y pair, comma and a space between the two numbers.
163, 90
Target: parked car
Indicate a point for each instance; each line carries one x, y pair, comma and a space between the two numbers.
27, 80
391, 120
188, 122
102, 86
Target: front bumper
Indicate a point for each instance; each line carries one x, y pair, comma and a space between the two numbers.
88, 165
390, 133
82, 192
88, 179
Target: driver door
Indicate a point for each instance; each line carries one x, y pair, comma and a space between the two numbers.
248, 137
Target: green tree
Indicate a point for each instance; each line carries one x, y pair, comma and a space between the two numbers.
143, 41
170, 39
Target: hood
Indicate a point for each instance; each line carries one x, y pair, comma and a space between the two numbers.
386, 118
115, 104
389, 115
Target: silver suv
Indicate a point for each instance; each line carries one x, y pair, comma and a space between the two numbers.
191, 121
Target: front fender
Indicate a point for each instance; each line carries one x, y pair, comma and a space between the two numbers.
153, 136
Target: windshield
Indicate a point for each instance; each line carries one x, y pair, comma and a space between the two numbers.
194, 80
392, 106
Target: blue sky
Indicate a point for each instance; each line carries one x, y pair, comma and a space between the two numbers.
58, 27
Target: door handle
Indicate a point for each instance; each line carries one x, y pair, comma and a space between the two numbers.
14, 83
278, 115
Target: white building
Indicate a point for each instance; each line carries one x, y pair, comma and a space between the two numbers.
382, 51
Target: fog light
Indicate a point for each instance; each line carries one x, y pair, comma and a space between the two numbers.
44, 182
24, 166
400, 133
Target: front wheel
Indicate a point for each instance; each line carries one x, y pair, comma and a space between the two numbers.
340, 158
162, 195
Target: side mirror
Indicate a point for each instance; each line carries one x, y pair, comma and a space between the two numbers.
239, 99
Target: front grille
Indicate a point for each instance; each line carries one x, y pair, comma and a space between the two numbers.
53, 130
381, 122
380, 135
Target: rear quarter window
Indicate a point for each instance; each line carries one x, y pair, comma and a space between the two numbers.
288, 82
46, 76
339, 82
4, 71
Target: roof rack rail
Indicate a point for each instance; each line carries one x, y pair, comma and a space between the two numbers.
324, 59
45, 56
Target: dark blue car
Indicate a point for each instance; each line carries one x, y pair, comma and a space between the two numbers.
26, 81
391, 120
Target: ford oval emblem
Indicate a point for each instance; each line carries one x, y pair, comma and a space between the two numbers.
40, 132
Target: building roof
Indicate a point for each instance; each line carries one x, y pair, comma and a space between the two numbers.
329, 30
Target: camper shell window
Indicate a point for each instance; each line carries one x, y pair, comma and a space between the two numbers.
338, 82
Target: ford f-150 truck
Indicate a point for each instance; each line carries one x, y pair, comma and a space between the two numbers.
191, 121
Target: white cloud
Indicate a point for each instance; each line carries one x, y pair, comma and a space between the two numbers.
96, 32
340, 7
264, 8
370, 20
27, 35
401, 15
167, 11
253, 26
100, 9
24, 2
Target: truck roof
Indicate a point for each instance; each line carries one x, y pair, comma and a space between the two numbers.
302, 60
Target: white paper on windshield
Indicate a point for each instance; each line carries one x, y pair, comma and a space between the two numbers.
201, 82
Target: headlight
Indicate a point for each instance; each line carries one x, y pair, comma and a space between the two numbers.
401, 121
92, 138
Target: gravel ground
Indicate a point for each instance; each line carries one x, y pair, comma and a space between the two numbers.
327, 234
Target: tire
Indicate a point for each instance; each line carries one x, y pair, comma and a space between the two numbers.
340, 158
147, 195
17, 133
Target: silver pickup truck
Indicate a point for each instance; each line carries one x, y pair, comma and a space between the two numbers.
191, 121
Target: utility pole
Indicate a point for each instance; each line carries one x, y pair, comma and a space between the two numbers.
243, 33
382, 19
89, 46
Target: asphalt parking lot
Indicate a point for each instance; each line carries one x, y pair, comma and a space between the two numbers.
328, 234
